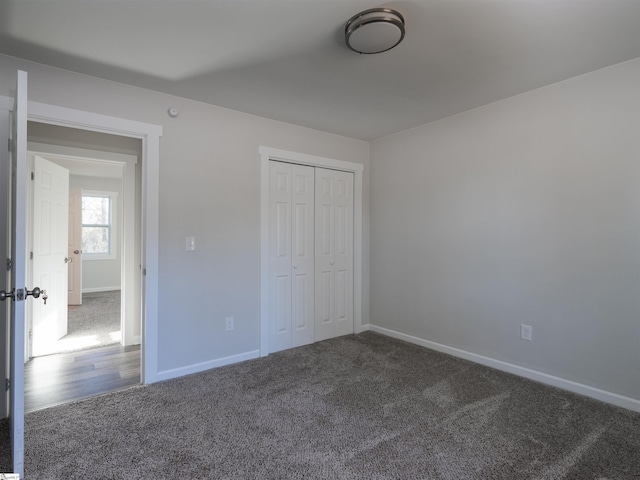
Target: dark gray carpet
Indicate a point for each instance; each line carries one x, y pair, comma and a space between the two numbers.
5, 447
357, 407
95, 323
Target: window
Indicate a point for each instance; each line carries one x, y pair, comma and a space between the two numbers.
97, 224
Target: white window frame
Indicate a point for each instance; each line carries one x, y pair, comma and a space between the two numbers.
113, 227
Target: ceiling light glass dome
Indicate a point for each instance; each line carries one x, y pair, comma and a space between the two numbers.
374, 31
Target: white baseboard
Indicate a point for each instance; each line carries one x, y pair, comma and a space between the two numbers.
135, 340
364, 328
602, 395
100, 289
201, 367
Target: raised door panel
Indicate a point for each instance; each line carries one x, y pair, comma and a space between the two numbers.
325, 303
300, 305
282, 245
42, 241
282, 301
61, 212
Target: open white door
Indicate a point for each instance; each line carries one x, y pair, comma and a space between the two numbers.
5, 253
75, 246
50, 261
18, 272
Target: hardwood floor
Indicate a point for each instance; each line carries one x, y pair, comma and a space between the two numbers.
56, 379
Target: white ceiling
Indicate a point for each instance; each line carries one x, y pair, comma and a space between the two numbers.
286, 59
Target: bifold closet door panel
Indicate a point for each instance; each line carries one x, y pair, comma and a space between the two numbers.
291, 255
302, 255
279, 256
334, 254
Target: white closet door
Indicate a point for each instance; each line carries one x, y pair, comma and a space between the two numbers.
291, 255
334, 254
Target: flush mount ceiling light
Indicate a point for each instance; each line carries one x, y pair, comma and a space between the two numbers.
374, 31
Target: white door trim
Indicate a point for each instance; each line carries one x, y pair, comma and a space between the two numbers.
150, 135
267, 154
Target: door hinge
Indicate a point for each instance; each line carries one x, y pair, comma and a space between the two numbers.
9, 264
33, 175
9, 144
30, 255
7, 384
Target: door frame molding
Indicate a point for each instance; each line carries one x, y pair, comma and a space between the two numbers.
149, 134
126, 210
267, 154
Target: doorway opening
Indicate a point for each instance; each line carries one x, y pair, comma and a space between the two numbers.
89, 342
14, 319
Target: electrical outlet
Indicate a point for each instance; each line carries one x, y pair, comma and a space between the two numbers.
229, 321
526, 332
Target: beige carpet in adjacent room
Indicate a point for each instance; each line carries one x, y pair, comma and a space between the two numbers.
95, 323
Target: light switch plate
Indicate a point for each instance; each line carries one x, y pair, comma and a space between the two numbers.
190, 245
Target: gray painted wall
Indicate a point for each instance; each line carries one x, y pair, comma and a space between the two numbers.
210, 189
523, 211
